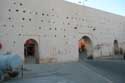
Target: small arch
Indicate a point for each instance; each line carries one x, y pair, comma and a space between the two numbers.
85, 48
1, 45
31, 52
116, 47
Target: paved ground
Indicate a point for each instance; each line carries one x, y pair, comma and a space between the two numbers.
111, 67
113, 70
115, 57
85, 71
60, 73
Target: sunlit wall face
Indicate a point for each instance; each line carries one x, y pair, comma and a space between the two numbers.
112, 6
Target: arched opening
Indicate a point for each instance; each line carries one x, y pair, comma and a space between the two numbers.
116, 47
31, 52
0, 46
85, 48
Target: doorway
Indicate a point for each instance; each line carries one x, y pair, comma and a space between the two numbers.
116, 47
85, 48
31, 52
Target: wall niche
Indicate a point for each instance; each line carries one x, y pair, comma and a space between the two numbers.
21, 4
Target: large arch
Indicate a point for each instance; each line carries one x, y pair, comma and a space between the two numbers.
31, 52
85, 48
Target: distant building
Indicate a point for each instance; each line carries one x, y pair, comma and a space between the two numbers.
43, 31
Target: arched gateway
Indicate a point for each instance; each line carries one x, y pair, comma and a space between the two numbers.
31, 52
85, 48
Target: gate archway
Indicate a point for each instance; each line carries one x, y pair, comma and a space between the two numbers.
85, 48
31, 52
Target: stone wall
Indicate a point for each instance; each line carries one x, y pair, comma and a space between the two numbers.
57, 26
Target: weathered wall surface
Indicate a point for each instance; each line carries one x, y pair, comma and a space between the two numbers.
57, 26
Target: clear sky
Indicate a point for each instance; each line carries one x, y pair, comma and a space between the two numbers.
113, 6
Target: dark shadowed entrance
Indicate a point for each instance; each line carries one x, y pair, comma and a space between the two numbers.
85, 46
31, 52
116, 47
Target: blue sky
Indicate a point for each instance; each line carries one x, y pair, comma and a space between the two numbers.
113, 6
